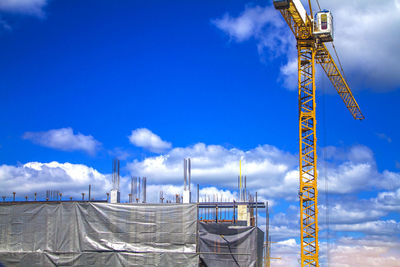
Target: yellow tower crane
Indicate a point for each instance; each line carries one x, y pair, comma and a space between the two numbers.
311, 33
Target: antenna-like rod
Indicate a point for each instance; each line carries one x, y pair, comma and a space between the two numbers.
139, 190
190, 172
184, 173
240, 179
144, 189
118, 175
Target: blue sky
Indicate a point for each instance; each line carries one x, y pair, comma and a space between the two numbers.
153, 82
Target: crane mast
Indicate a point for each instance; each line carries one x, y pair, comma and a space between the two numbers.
308, 156
311, 50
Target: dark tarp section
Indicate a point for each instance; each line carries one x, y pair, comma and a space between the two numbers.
227, 245
97, 234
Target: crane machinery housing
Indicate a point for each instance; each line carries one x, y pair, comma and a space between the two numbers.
311, 34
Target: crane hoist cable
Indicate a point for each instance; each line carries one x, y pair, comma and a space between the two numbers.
326, 185
337, 57
318, 5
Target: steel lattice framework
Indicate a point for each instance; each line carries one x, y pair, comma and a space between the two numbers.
311, 51
308, 155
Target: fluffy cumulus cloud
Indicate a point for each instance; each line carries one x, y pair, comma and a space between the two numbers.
69, 179
217, 165
389, 200
270, 171
145, 138
29, 7
360, 27
73, 179
352, 170
64, 139
270, 32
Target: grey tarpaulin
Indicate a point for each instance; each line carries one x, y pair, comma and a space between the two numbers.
97, 234
227, 245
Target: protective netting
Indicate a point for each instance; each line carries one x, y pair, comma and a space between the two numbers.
98, 234
227, 245
102, 234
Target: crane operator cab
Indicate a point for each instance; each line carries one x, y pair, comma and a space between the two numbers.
323, 26
281, 4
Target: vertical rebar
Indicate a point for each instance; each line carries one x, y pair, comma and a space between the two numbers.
113, 173
118, 176
90, 189
238, 184
216, 213
144, 179
190, 172
245, 188
83, 196
184, 173
35, 195
198, 193
139, 189
14, 196
134, 188
256, 211
234, 211
161, 197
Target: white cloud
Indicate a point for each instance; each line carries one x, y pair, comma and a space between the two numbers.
380, 227
74, 179
360, 27
69, 179
119, 153
250, 23
270, 171
365, 252
384, 137
350, 212
353, 169
29, 7
288, 250
214, 194
264, 166
145, 138
389, 200
64, 139
271, 34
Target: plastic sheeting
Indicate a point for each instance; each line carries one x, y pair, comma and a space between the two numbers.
98, 234
227, 245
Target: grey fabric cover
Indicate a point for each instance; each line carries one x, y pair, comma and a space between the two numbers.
97, 234
227, 245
